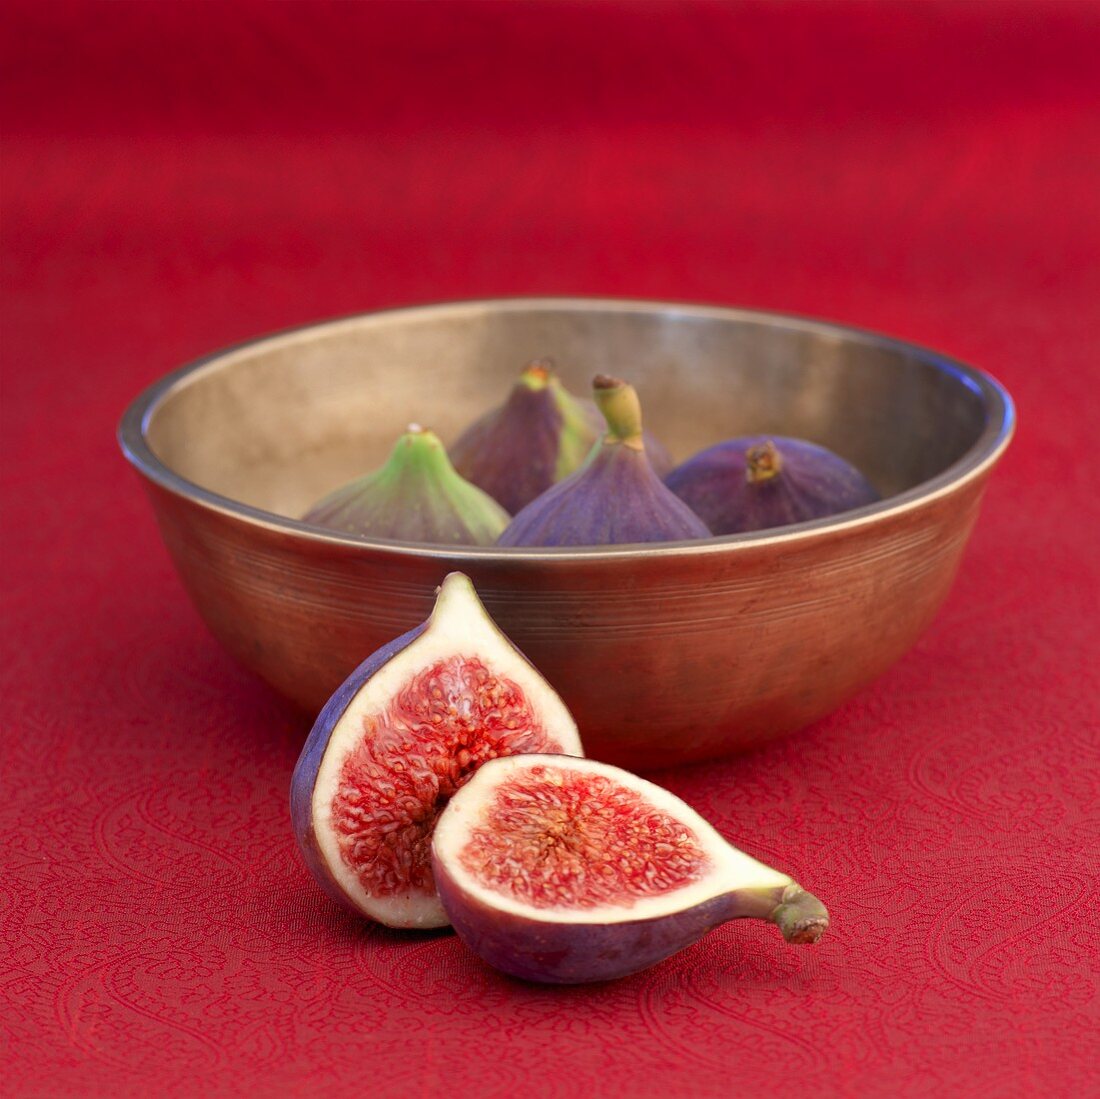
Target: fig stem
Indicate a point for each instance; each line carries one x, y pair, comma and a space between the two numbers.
417, 448
619, 404
537, 374
762, 463
800, 916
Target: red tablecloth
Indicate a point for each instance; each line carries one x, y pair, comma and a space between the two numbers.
180, 176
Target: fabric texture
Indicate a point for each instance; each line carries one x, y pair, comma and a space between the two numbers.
180, 176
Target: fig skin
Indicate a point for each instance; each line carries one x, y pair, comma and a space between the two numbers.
306, 770
575, 948
416, 496
763, 481
657, 453
549, 953
539, 435
450, 620
615, 498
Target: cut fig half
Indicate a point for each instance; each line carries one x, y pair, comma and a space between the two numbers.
406, 730
566, 870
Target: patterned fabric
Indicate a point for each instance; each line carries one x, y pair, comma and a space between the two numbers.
178, 176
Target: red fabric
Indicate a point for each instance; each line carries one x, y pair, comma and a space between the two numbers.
179, 176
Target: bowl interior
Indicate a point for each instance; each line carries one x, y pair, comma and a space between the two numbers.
278, 422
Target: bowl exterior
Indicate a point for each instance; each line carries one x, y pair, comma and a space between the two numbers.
663, 658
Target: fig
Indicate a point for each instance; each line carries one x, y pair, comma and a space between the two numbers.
406, 730
566, 871
539, 435
615, 497
758, 482
416, 496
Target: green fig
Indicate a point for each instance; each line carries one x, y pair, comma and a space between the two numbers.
415, 497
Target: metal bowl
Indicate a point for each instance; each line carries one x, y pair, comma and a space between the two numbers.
664, 652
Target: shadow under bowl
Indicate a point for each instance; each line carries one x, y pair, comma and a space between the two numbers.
665, 653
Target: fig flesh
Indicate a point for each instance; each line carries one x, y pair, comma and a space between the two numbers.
416, 497
538, 436
566, 871
405, 731
759, 482
616, 497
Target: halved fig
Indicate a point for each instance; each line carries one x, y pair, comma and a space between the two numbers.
566, 870
406, 730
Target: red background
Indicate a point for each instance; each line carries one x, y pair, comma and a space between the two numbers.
180, 176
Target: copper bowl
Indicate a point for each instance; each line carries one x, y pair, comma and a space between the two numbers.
665, 653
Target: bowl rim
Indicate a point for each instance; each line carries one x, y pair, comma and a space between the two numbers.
975, 462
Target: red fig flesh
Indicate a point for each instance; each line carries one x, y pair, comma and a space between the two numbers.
615, 497
759, 482
406, 730
566, 870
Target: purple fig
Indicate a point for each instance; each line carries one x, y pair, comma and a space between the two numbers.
658, 455
538, 436
615, 497
759, 482
415, 497
565, 870
408, 728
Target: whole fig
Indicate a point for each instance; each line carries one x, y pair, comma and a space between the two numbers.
408, 728
566, 870
415, 497
615, 497
759, 482
538, 436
